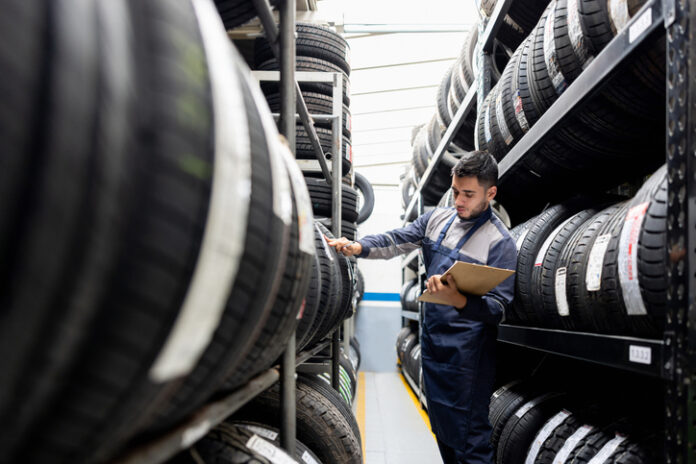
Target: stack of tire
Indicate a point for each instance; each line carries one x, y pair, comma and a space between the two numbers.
156, 236
408, 351
409, 295
331, 292
591, 266
318, 49
616, 137
326, 427
348, 377
533, 426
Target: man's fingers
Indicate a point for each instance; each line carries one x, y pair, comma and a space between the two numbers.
450, 280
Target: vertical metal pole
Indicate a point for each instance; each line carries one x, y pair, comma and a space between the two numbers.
287, 125
335, 355
680, 334
337, 188
337, 155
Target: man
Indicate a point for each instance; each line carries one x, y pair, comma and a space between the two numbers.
458, 340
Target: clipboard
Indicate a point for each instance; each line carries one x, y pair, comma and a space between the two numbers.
472, 279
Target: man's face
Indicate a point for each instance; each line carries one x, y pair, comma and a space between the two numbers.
470, 197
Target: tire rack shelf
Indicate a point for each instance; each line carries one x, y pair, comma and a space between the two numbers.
643, 356
180, 438
674, 358
165, 446
594, 77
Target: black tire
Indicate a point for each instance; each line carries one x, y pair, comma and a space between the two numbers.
649, 208
310, 312
443, 111
232, 444
317, 103
311, 40
540, 229
556, 280
585, 315
303, 63
608, 299
283, 317
368, 197
542, 90
525, 110
252, 296
320, 424
498, 146
521, 428
321, 194
330, 290
543, 278
403, 333
589, 447
22, 88
133, 229
510, 128
355, 354
333, 309
302, 453
237, 12
550, 447
406, 346
504, 403
305, 150
561, 62
595, 24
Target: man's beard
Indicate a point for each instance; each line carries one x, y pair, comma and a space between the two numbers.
476, 212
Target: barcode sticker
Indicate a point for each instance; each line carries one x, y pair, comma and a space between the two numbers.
593, 277
560, 287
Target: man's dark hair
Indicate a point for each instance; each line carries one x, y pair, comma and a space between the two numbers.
479, 164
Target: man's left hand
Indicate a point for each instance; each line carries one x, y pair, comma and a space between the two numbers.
447, 291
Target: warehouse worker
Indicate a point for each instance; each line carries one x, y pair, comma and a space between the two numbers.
458, 339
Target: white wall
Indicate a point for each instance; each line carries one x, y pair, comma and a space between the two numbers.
382, 276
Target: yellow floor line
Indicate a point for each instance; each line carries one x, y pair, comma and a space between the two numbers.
422, 412
360, 413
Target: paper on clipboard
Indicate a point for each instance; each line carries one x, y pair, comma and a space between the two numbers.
471, 279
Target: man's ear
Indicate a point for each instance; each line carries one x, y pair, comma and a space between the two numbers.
491, 192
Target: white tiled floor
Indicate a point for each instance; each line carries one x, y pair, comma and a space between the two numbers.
395, 432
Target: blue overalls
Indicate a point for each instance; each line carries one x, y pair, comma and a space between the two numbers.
458, 357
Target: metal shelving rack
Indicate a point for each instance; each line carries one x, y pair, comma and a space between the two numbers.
671, 359
165, 446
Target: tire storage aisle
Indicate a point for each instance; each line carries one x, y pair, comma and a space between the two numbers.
584, 117
160, 245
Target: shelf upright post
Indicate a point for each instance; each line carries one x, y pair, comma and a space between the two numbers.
287, 125
336, 190
680, 336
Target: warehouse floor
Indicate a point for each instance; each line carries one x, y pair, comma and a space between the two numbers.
394, 428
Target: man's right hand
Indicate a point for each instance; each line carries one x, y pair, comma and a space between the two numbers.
344, 246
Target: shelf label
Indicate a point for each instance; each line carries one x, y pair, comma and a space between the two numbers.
593, 277
571, 443
560, 287
640, 26
640, 354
